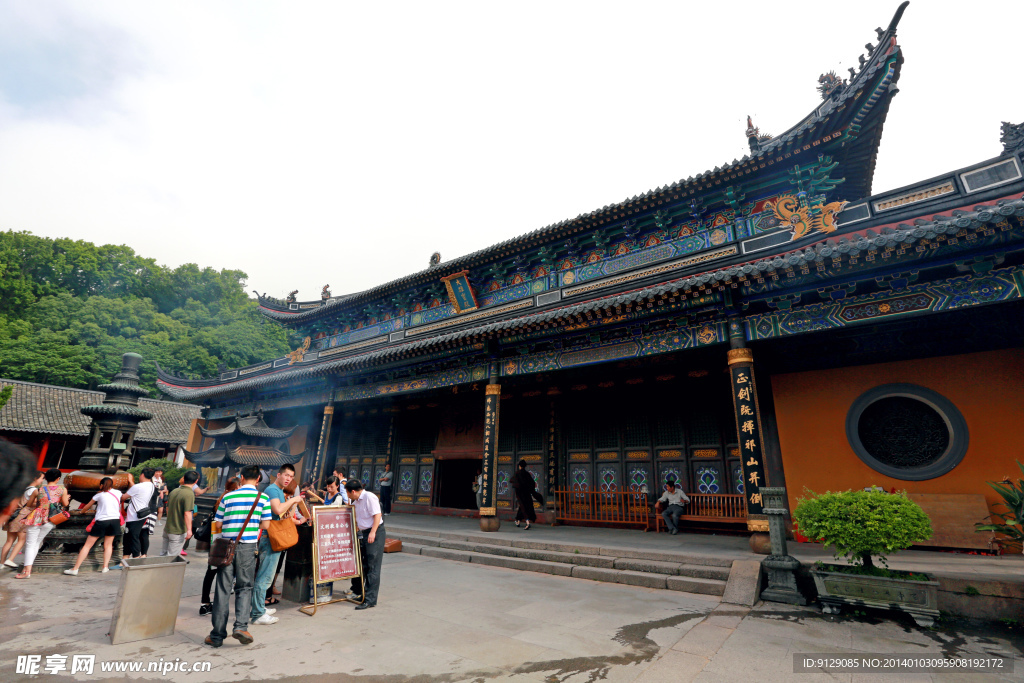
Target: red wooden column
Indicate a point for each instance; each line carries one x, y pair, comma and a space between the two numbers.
42, 454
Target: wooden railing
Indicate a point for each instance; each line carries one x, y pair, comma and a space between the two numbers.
615, 507
715, 507
635, 509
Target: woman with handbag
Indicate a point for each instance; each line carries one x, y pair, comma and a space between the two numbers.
139, 498
211, 572
105, 524
48, 509
15, 526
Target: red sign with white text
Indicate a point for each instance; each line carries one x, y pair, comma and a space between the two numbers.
337, 545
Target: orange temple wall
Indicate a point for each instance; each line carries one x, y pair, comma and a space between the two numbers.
987, 388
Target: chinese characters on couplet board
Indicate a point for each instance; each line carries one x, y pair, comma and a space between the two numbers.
749, 437
335, 539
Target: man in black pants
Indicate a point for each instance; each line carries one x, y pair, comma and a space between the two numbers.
139, 497
371, 542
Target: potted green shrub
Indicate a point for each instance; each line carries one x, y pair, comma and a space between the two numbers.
862, 526
1011, 522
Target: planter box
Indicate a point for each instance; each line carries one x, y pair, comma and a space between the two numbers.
919, 599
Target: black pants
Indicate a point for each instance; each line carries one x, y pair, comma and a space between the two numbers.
385, 500
526, 511
211, 574
372, 557
136, 540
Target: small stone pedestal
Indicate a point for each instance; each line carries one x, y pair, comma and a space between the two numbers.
490, 523
780, 565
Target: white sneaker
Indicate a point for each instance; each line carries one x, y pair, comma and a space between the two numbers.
104, 570
71, 572
271, 611
11, 563
266, 620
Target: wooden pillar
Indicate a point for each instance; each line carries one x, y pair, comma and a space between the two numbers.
316, 472
42, 454
492, 403
748, 429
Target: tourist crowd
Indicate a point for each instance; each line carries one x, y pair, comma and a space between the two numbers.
245, 530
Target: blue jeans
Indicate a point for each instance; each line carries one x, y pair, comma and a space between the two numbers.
268, 565
235, 578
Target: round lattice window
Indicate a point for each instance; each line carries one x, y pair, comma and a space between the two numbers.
907, 432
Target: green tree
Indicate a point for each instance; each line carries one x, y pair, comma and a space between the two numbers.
69, 309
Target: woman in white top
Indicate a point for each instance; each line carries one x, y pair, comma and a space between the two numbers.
105, 524
138, 497
15, 526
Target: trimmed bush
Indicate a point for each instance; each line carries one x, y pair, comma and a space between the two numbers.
172, 473
860, 525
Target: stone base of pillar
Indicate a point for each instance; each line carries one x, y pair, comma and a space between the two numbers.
760, 543
490, 523
782, 585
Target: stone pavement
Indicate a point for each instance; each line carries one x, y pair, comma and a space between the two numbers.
1006, 567
440, 622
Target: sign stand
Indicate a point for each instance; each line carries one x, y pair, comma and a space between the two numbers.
336, 553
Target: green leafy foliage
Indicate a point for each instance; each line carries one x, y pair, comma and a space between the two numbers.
860, 525
1011, 523
172, 473
5, 395
69, 310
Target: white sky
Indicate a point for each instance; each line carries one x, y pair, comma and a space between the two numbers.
344, 142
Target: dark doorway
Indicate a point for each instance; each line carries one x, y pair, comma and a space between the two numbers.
455, 483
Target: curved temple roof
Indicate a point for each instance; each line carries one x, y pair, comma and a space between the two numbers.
843, 115
261, 456
833, 246
253, 426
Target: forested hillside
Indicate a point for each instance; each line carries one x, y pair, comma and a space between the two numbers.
69, 309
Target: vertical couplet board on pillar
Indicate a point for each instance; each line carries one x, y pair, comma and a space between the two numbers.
748, 429
492, 405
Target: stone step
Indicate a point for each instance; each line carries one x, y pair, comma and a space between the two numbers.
703, 579
411, 538
693, 562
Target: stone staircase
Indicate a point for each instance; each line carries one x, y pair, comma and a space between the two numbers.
677, 571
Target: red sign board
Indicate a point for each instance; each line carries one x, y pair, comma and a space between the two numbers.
335, 543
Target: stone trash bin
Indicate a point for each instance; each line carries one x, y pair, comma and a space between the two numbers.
147, 598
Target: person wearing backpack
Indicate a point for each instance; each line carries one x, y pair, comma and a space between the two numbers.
140, 498
105, 524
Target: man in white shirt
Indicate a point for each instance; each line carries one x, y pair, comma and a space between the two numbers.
371, 543
139, 496
675, 499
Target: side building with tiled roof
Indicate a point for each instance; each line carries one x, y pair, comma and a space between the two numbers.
48, 420
618, 350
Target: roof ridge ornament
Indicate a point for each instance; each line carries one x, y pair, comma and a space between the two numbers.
1012, 137
830, 85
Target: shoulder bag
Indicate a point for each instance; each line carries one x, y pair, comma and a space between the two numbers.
142, 513
222, 551
58, 514
283, 534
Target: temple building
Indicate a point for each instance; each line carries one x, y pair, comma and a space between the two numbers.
772, 321
47, 420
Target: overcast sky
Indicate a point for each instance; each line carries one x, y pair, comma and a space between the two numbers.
344, 142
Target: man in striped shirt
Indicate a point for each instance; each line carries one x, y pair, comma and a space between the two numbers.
238, 576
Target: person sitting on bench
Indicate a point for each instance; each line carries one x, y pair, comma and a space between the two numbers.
675, 499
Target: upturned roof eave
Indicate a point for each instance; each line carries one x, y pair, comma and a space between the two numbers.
802, 130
